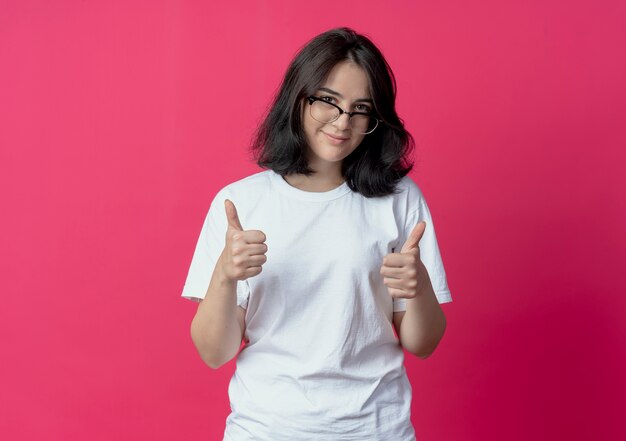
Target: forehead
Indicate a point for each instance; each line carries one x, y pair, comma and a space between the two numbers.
349, 79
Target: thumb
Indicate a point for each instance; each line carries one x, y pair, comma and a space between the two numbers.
231, 215
414, 238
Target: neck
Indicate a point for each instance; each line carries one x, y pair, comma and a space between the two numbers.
325, 178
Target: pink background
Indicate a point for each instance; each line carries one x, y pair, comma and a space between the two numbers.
120, 120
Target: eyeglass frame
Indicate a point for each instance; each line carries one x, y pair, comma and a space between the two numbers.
311, 99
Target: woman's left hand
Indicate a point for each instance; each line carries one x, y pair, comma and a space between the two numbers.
403, 272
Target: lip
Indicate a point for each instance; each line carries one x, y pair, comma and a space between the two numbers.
335, 139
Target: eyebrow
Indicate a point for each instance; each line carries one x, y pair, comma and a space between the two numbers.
332, 92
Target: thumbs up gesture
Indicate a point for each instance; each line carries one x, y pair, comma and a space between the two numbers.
403, 272
244, 251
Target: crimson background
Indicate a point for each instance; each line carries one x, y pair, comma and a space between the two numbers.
120, 120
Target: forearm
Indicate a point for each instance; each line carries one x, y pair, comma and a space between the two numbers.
215, 330
424, 322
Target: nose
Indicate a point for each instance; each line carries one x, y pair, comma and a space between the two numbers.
343, 122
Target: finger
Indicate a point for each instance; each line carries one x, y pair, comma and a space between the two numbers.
398, 293
393, 283
391, 272
414, 238
253, 271
256, 249
396, 260
257, 260
254, 236
232, 216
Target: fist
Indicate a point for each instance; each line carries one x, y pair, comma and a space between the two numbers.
244, 251
403, 272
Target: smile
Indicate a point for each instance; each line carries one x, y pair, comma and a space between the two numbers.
335, 140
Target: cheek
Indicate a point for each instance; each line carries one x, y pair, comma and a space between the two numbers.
311, 127
358, 142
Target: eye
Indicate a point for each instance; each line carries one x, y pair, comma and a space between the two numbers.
326, 98
363, 108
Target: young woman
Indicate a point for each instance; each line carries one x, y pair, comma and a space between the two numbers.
317, 260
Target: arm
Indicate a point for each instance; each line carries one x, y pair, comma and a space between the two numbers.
218, 326
421, 327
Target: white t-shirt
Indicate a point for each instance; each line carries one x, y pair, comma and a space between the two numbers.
322, 361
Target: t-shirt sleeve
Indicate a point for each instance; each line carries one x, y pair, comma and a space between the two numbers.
208, 249
429, 252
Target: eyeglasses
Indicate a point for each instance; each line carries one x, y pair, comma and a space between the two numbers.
361, 122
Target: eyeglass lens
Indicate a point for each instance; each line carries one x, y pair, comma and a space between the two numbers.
325, 113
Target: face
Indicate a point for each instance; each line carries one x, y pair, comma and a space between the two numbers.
329, 143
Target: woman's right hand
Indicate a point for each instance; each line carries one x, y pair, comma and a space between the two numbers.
244, 252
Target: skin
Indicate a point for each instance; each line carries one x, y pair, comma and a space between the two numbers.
323, 156
405, 275
421, 327
219, 325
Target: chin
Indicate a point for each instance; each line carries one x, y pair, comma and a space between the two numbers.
337, 156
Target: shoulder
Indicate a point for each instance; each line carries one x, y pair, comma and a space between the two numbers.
255, 180
245, 188
409, 191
